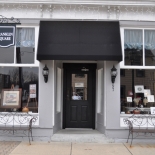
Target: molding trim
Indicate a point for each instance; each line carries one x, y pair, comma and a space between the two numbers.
87, 11
89, 2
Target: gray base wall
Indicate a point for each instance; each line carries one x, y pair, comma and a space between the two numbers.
123, 134
100, 128
117, 133
100, 123
39, 134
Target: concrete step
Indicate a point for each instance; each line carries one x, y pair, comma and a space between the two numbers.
71, 135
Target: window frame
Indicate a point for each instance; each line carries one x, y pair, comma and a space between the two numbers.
36, 62
122, 63
31, 65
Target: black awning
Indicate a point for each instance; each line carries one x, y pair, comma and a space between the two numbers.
79, 40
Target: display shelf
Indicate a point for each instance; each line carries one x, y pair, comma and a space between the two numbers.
145, 109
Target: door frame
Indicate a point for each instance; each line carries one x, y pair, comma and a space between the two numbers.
90, 66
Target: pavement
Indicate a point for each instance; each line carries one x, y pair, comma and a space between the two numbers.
77, 142
7, 147
76, 148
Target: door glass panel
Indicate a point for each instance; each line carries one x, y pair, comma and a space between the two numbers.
79, 87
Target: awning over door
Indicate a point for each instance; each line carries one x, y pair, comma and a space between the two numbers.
79, 40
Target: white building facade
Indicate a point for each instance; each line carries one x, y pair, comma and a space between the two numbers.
137, 33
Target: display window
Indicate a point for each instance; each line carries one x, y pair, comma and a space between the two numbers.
137, 90
19, 72
22, 79
137, 74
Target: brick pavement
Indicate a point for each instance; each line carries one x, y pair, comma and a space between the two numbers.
7, 147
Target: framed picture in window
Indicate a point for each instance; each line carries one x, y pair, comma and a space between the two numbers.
32, 88
11, 98
139, 89
129, 99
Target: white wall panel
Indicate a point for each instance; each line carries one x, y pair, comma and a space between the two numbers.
46, 96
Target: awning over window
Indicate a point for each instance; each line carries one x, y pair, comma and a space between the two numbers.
79, 40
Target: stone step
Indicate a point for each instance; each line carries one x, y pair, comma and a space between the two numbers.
80, 136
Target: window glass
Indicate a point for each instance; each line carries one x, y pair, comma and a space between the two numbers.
25, 55
7, 54
133, 46
149, 40
25, 78
25, 45
137, 85
79, 86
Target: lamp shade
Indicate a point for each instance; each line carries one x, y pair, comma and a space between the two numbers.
45, 71
113, 71
113, 74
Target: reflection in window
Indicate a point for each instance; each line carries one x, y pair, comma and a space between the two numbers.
25, 43
133, 46
79, 86
20, 77
7, 55
149, 40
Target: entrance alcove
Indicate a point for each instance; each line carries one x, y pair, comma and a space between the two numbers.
79, 42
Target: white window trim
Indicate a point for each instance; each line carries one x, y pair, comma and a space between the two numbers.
122, 66
58, 89
100, 91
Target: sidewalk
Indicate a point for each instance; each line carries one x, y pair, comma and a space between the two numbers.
72, 148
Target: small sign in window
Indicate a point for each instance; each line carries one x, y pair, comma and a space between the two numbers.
7, 36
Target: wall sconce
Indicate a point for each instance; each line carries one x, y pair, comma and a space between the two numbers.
45, 73
113, 75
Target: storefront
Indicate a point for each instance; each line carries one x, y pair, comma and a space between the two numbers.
77, 52
80, 44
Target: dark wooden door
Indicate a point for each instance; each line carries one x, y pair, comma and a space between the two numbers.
79, 96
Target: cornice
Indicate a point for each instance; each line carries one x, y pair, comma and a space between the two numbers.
77, 11
83, 2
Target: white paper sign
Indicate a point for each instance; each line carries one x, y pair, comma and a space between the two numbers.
150, 98
79, 84
32, 90
152, 110
147, 92
129, 99
139, 89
